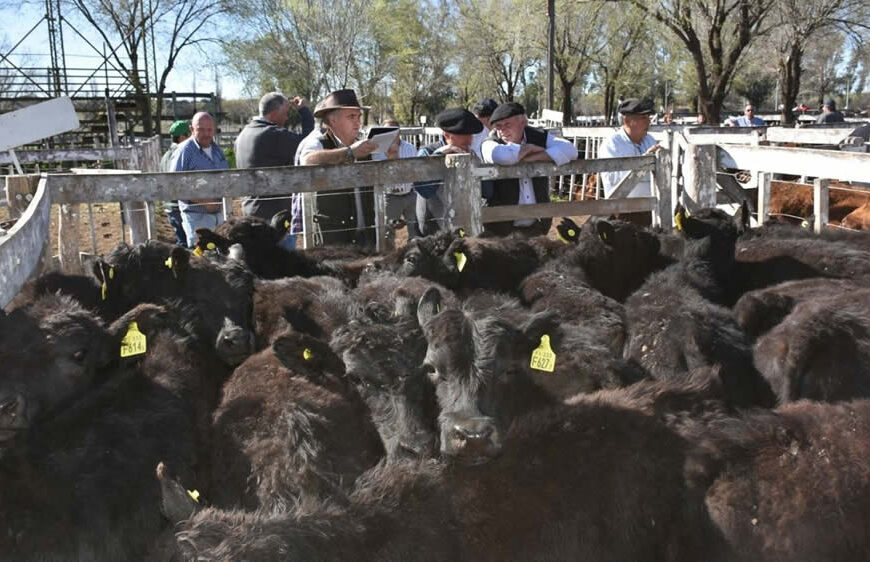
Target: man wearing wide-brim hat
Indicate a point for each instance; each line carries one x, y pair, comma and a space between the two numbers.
458, 128
512, 142
632, 139
345, 216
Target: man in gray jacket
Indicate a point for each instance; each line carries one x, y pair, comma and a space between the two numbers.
264, 142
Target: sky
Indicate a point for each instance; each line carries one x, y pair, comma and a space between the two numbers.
34, 52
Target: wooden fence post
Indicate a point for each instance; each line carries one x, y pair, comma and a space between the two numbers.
462, 191
19, 192
821, 202
661, 186
137, 211
308, 220
381, 241
68, 238
699, 177
763, 197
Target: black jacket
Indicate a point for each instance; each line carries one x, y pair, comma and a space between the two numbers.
262, 144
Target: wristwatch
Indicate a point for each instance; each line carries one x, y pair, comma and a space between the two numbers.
349, 157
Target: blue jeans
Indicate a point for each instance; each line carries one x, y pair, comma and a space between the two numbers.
191, 221
288, 242
174, 216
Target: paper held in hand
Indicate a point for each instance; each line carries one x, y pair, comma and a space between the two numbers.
384, 137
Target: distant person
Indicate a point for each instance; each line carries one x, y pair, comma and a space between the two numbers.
345, 216
458, 129
632, 139
830, 114
401, 198
702, 119
482, 110
265, 142
748, 119
180, 132
512, 142
199, 152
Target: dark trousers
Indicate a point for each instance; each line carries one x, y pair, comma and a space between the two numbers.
174, 216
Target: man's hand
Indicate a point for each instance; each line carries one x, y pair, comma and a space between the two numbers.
298, 102
450, 149
653, 149
393, 151
529, 149
363, 148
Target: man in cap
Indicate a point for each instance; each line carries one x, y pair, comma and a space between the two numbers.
344, 216
458, 129
483, 111
180, 132
830, 114
265, 142
199, 152
632, 139
512, 142
748, 119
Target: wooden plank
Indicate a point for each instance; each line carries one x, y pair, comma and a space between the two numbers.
242, 183
21, 247
68, 155
662, 215
382, 240
600, 207
808, 136
821, 202
68, 238
763, 197
462, 190
19, 193
699, 177
846, 166
308, 237
36, 122
624, 187
641, 163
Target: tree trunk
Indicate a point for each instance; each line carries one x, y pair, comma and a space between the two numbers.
790, 80
567, 102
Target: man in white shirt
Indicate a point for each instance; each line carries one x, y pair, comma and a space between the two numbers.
512, 142
482, 110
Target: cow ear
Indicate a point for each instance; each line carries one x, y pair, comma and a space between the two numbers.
282, 220
207, 239
605, 231
104, 273
539, 324
742, 217
176, 502
237, 253
429, 305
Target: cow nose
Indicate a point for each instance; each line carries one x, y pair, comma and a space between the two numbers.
417, 447
235, 343
474, 439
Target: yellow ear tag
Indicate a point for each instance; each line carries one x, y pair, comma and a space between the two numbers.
572, 233
134, 342
462, 233
562, 238
460, 260
307, 354
543, 358
168, 262
604, 235
198, 251
111, 273
678, 220
194, 495
210, 246
286, 223
103, 289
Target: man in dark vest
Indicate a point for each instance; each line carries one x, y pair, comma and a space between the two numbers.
265, 142
345, 216
512, 142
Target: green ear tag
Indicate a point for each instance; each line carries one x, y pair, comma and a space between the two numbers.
210, 246
460, 260
134, 342
194, 495
543, 358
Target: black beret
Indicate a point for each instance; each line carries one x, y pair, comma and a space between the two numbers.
506, 110
485, 107
458, 121
636, 107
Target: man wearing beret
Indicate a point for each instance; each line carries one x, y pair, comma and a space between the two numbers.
632, 139
345, 216
266, 142
830, 114
180, 132
458, 128
512, 142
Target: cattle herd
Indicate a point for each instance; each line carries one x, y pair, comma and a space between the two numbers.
618, 394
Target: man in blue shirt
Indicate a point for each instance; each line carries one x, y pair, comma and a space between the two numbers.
748, 119
199, 152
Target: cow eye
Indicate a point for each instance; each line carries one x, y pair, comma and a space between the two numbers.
79, 355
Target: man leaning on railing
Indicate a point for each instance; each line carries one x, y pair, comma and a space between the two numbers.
514, 142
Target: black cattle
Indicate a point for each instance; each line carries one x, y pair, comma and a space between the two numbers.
383, 359
675, 325
793, 484
595, 482
157, 272
76, 485
289, 429
82, 288
314, 306
760, 310
481, 359
821, 350
398, 294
